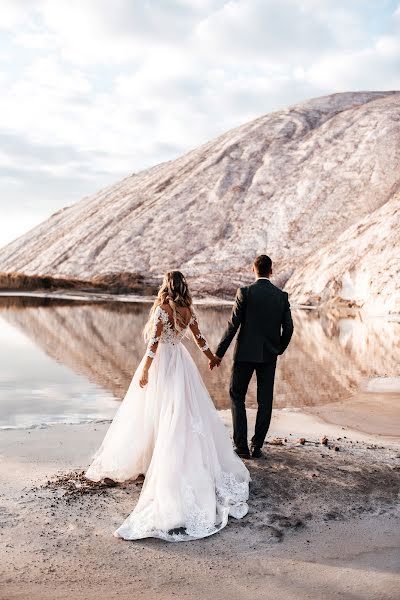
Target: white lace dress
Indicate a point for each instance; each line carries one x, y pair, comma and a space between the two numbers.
171, 432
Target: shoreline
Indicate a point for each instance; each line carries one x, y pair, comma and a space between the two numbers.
312, 421
363, 415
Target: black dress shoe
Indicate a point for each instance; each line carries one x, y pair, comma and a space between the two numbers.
256, 452
242, 452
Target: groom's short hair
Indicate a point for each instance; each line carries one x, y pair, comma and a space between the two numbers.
263, 265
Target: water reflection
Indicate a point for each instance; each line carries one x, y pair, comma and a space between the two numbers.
100, 344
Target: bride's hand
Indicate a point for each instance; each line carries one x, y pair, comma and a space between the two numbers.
144, 378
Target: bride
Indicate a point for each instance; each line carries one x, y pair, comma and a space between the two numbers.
168, 429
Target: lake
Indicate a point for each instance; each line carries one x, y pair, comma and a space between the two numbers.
72, 360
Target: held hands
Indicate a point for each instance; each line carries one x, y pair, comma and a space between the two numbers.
144, 378
214, 362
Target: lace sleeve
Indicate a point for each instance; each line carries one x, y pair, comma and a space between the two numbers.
158, 325
198, 336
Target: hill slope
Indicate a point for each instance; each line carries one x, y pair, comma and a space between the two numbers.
362, 265
289, 183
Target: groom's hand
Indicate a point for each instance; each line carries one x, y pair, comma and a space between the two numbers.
214, 362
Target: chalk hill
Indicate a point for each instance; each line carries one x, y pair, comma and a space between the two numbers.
314, 185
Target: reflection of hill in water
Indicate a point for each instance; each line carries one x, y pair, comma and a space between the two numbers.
326, 360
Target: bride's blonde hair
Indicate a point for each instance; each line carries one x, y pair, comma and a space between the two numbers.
174, 291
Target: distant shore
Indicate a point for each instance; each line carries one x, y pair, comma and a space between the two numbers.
114, 283
340, 310
135, 287
81, 296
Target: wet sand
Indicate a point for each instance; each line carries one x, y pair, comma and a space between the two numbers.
323, 523
370, 413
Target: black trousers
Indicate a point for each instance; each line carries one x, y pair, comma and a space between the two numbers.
240, 379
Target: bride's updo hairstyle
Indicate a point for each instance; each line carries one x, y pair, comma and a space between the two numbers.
174, 291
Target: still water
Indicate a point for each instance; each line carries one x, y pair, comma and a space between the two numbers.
72, 361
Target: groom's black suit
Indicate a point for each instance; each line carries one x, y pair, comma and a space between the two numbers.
262, 311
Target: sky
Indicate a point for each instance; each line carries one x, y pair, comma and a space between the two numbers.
94, 90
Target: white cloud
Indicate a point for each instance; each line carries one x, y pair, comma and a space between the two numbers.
263, 31
96, 31
376, 67
94, 90
15, 13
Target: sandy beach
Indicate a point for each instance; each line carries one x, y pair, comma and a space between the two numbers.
324, 522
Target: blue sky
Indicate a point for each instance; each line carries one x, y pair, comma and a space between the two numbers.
92, 90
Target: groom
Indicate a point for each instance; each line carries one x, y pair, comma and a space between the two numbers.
262, 312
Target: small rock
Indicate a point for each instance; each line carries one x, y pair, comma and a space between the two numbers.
301, 441
276, 441
324, 440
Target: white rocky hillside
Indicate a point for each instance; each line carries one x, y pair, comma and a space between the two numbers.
362, 265
302, 184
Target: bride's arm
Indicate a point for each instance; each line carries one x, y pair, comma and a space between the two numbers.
199, 338
151, 350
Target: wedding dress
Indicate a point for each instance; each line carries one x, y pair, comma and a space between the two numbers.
171, 432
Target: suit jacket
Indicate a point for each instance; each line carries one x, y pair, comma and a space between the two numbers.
262, 311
